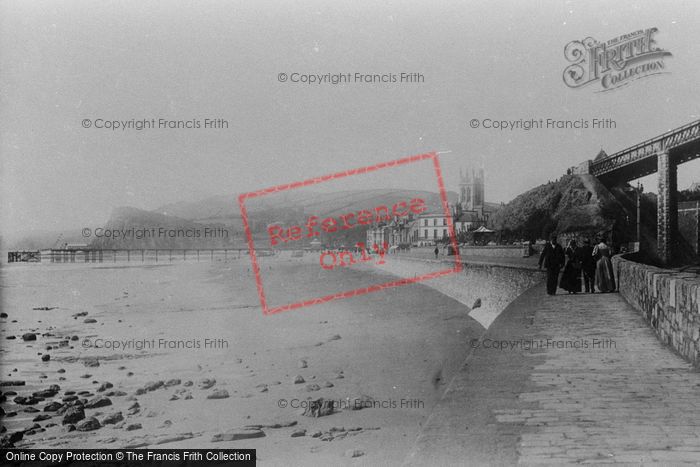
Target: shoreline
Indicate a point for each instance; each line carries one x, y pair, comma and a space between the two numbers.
388, 347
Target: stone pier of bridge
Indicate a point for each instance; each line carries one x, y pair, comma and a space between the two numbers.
667, 207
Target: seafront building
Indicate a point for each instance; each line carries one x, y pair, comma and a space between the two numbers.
468, 215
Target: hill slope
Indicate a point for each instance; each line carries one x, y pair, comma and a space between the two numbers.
134, 228
574, 203
223, 212
225, 208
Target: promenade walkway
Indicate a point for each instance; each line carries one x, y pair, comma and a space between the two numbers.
612, 394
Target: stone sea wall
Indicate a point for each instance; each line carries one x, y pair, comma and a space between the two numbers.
493, 287
667, 299
499, 251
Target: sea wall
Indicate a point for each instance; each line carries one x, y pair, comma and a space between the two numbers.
667, 299
490, 287
469, 251
499, 251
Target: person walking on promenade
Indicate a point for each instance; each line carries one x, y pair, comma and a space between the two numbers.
571, 278
436, 251
604, 277
552, 258
588, 264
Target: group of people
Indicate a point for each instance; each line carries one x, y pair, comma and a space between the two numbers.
593, 263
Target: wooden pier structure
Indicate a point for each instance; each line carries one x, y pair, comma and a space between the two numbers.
98, 255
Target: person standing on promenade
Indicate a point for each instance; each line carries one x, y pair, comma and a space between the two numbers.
436, 251
588, 264
571, 278
552, 258
604, 277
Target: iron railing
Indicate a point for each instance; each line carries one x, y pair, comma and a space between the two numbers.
648, 148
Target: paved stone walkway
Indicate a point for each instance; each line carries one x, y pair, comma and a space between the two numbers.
613, 394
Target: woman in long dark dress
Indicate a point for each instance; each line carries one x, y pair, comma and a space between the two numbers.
571, 277
604, 276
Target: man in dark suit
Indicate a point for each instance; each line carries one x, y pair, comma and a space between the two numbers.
552, 258
588, 265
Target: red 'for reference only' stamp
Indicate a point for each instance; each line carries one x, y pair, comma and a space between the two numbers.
298, 235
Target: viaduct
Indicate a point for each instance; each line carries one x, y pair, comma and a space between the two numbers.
662, 154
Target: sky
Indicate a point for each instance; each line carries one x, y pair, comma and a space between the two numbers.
63, 63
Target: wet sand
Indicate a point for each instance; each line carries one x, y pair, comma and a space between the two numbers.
391, 348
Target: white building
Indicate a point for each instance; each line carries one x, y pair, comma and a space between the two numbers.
430, 227
396, 233
433, 226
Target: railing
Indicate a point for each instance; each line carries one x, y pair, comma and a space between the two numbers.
97, 255
650, 147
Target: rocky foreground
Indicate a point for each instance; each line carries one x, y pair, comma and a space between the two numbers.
58, 411
352, 377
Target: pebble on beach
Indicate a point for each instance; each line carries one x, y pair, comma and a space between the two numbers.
113, 419
134, 408
354, 453
104, 386
237, 434
318, 408
53, 407
206, 383
73, 414
91, 362
88, 424
97, 402
218, 394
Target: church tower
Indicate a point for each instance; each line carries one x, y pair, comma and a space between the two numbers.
471, 190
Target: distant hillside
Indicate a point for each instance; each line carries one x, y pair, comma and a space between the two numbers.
135, 228
223, 212
172, 225
213, 208
36, 240
574, 203
225, 208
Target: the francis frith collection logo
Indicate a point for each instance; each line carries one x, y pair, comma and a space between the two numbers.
616, 62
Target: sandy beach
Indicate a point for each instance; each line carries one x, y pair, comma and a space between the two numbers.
180, 355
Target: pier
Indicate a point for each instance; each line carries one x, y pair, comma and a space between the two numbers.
98, 255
